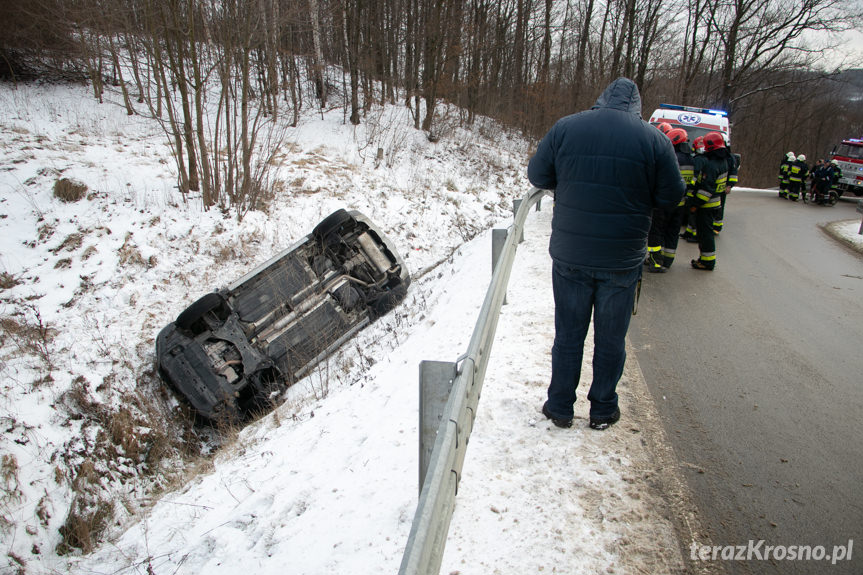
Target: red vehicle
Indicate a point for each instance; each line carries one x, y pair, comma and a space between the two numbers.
849, 155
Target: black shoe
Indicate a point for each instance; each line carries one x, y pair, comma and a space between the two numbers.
558, 422
601, 423
701, 265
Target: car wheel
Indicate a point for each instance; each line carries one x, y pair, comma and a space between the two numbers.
388, 300
190, 316
264, 387
331, 224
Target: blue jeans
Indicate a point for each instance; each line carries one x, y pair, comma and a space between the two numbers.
578, 293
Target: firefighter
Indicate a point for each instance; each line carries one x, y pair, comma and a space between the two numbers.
690, 233
837, 173
733, 165
797, 174
663, 236
784, 167
712, 181
663, 127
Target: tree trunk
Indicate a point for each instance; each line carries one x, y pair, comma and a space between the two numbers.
320, 82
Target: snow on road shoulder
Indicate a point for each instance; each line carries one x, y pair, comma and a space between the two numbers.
846, 231
534, 498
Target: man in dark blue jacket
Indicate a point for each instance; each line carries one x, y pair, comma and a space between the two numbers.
609, 169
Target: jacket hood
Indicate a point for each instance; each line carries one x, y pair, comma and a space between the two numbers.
622, 94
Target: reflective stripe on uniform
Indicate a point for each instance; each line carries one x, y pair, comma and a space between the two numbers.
703, 195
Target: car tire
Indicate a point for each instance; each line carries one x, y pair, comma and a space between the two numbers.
264, 384
331, 224
388, 300
199, 309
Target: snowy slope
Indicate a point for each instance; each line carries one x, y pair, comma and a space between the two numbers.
85, 286
327, 482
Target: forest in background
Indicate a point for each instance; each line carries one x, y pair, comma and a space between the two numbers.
219, 74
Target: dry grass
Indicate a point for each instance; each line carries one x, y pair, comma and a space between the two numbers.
28, 333
10, 488
131, 255
136, 432
8, 281
85, 521
67, 190
71, 243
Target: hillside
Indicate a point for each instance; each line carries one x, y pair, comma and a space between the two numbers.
92, 437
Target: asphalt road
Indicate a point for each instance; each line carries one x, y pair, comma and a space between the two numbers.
757, 372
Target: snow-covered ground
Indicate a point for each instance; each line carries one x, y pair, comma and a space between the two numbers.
327, 483
848, 232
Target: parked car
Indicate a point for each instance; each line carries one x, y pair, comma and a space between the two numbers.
233, 351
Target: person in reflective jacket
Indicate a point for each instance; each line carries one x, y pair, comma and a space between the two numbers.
698, 160
712, 182
733, 167
784, 168
797, 174
664, 231
609, 168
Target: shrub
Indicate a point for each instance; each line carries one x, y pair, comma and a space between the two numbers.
67, 190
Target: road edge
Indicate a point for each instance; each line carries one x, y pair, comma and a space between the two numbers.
668, 483
831, 229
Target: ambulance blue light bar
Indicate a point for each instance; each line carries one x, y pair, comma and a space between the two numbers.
691, 109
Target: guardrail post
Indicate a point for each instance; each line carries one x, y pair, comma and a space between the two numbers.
436, 379
498, 240
516, 204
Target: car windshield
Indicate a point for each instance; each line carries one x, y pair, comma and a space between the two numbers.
696, 132
849, 151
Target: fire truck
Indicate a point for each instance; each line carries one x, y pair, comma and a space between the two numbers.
696, 121
849, 155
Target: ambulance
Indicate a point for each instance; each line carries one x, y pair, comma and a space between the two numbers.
849, 156
696, 121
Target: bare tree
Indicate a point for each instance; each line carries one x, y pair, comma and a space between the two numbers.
319, 64
762, 35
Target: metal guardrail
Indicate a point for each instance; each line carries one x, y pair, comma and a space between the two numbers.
459, 385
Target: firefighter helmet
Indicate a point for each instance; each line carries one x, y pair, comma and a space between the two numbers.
791, 157
834, 162
713, 141
801, 158
664, 127
698, 144
677, 136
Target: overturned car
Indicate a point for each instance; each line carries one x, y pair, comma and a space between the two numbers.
232, 351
